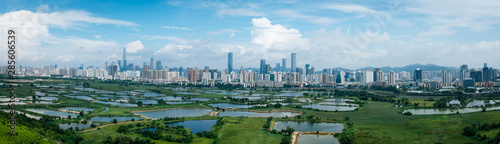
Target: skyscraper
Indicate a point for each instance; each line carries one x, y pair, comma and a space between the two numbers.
125, 60
262, 66
307, 68
486, 73
418, 75
158, 65
119, 65
464, 72
391, 78
230, 62
283, 65
294, 62
446, 76
476, 75
151, 64
192, 75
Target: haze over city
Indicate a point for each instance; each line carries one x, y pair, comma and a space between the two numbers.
324, 34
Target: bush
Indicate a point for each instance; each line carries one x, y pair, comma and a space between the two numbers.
470, 131
408, 113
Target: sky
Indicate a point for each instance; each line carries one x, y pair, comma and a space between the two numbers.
198, 33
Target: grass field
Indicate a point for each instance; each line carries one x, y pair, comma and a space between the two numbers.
250, 131
381, 123
25, 134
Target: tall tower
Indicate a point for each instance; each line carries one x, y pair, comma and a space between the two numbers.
294, 62
230, 62
124, 59
464, 72
262, 66
307, 68
158, 65
283, 65
486, 73
151, 64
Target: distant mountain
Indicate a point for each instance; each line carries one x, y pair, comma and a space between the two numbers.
408, 68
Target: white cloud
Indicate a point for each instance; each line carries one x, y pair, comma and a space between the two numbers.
488, 45
133, 47
177, 28
38, 45
97, 36
64, 58
349, 8
266, 34
171, 38
239, 12
294, 14
438, 30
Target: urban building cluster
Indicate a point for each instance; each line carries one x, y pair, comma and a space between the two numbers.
267, 76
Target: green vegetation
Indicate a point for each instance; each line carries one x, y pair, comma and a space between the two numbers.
248, 131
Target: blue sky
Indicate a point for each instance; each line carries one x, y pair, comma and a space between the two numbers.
325, 34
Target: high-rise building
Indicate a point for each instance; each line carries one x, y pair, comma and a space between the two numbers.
145, 70
283, 65
367, 76
130, 67
278, 67
113, 70
158, 65
230, 62
464, 71
307, 68
151, 64
446, 76
391, 78
263, 66
476, 75
378, 75
486, 73
125, 60
294, 62
192, 75
418, 75
119, 65
105, 66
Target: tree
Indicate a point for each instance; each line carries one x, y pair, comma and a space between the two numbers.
286, 140
115, 121
81, 113
69, 116
470, 131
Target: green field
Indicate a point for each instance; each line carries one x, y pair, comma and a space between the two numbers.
250, 131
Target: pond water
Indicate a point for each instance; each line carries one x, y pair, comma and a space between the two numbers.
256, 114
148, 101
329, 108
48, 98
317, 139
228, 105
52, 113
195, 125
309, 127
186, 93
199, 99
338, 99
175, 113
77, 109
109, 119
290, 95
75, 125
453, 102
178, 102
448, 111
151, 95
229, 93
170, 98
116, 103
479, 103
82, 97
338, 103
248, 97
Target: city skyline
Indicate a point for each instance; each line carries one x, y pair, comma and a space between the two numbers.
339, 34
